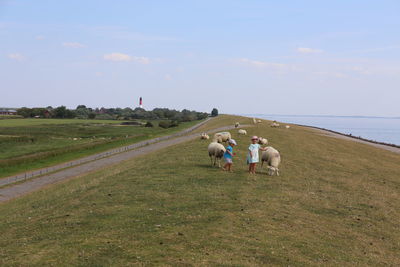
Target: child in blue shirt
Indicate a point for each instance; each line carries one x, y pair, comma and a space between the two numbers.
228, 155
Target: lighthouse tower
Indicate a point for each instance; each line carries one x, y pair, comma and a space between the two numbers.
140, 102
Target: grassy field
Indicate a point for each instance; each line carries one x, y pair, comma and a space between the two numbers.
2, 117
27, 144
336, 203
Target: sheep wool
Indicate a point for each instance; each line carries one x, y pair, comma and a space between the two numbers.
242, 131
222, 137
273, 158
216, 151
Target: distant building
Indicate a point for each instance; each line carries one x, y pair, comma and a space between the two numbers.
8, 112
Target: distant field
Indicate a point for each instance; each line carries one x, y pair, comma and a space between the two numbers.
27, 144
336, 203
10, 117
33, 122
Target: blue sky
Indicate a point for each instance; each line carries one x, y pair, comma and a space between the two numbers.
280, 57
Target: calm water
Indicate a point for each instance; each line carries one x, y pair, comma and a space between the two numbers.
380, 129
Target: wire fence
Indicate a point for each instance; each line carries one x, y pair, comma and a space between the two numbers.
47, 170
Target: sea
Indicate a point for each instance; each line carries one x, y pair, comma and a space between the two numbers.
381, 129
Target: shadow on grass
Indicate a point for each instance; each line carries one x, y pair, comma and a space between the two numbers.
206, 166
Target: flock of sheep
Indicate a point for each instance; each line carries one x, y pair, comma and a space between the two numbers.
216, 150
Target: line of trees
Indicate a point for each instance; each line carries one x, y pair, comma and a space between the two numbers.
83, 112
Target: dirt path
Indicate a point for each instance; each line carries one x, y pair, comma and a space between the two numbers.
13, 191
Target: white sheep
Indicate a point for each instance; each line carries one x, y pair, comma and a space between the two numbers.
242, 131
287, 126
262, 141
275, 124
204, 136
254, 121
273, 158
259, 121
222, 137
217, 151
237, 124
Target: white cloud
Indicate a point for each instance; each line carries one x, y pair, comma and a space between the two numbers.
16, 56
73, 45
141, 60
279, 68
125, 57
331, 74
262, 64
306, 50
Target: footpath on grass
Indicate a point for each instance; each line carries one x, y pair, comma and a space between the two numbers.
35, 173
13, 191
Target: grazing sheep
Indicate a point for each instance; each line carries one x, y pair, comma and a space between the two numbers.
272, 157
217, 151
222, 137
259, 121
204, 136
237, 124
287, 126
254, 121
242, 131
262, 141
275, 124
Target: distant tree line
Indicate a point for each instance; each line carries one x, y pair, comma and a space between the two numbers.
83, 112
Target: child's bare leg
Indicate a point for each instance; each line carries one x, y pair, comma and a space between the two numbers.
230, 167
250, 167
224, 167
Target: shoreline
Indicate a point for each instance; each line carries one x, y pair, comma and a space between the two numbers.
387, 146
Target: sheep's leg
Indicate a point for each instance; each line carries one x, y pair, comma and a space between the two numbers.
219, 162
277, 172
215, 160
211, 160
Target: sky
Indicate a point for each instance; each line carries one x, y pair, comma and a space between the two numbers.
315, 57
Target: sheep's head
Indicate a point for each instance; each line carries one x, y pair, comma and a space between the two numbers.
272, 170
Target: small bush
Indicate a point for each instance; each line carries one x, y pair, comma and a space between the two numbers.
164, 124
148, 124
174, 123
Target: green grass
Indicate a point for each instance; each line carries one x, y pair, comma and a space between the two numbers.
27, 144
36, 122
336, 203
3, 117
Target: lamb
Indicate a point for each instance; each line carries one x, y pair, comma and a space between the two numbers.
262, 141
237, 124
204, 136
259, 121
222, 137
287, 126
242, 131
272, 157
217, 151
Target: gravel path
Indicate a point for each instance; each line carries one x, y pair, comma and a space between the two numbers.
13, 191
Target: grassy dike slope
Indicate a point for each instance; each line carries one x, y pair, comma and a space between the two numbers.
336, 203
